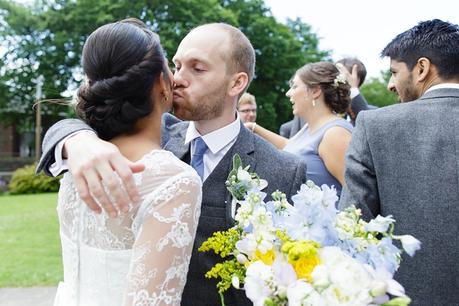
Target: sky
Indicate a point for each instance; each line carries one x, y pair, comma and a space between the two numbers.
362, 28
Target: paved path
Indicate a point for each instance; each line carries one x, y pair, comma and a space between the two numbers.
36, 296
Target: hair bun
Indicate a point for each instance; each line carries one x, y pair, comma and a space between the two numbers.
122, 61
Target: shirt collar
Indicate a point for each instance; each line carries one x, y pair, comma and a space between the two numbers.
217, 139
443, 85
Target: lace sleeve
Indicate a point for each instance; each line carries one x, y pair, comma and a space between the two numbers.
165, 228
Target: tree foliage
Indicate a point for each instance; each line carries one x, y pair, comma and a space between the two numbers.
375, 91
47, 37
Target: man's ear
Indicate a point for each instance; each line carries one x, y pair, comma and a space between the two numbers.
423, 69
238, 84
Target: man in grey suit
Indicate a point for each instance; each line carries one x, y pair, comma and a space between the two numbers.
403, 160
214, 66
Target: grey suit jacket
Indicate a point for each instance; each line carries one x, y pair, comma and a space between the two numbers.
283, 171
403, 160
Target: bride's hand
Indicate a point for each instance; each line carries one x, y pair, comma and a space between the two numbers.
93, 161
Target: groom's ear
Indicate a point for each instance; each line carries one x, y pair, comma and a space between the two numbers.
238, 84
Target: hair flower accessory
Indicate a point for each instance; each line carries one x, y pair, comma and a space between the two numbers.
340, 79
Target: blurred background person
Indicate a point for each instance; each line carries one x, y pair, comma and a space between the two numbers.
355, 73
247, 108
319, 95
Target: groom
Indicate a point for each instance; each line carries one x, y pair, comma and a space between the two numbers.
214, 66
403, 160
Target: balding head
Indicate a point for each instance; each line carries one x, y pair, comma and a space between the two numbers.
239, 53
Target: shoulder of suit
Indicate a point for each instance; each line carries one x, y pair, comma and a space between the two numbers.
273, 154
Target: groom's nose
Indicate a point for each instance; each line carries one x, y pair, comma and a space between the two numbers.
179, 79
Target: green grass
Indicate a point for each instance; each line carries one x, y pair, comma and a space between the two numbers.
30, 251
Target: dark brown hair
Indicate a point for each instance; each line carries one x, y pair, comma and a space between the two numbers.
349, 62
324, 74
121, 61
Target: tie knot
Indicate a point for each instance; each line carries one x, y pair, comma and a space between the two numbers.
200, 146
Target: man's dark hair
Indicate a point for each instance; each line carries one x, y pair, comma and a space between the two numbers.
434, 39
349, 62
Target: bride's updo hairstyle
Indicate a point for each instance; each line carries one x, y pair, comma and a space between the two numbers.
121, 61
334, 86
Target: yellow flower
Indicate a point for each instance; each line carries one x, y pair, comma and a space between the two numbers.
304, 267
302, 255
267, 258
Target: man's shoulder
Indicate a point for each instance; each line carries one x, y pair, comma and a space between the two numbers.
386, 115
271, 154
170, 121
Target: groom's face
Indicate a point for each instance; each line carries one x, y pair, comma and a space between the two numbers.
201, 79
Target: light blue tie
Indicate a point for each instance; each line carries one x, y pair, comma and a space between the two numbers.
197, 162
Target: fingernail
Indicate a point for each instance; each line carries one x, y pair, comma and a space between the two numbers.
125, 209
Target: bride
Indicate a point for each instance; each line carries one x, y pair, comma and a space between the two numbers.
141, 256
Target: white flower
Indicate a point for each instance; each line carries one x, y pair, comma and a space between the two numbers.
262, 184
298, 292
340, 79
380, 224
241, 258
235, 282
262, 219
258, 282
409, 243
284, 274
381, 275
349, 279
243, 175
248, 245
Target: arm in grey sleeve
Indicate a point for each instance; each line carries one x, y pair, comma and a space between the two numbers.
358, 104
56, 133
361, 187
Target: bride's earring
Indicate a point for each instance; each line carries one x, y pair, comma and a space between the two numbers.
165, 97
313, 103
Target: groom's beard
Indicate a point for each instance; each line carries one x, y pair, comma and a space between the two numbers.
205, 107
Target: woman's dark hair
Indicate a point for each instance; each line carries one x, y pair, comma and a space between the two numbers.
121, 61
336, 90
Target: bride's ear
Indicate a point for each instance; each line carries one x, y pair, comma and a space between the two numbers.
162, 87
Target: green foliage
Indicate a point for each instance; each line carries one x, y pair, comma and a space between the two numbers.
225, 272
375, 91
30, 247
47, 38
24, 180
222, 243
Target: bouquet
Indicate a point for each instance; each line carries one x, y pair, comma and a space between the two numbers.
307, 253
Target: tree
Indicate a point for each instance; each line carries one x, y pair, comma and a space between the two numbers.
47, 38
376, 92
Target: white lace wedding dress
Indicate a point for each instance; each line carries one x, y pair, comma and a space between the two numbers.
139, 258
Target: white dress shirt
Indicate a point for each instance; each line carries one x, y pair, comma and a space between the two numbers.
219, 142
443, 85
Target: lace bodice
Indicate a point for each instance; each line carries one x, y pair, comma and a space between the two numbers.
140, 257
